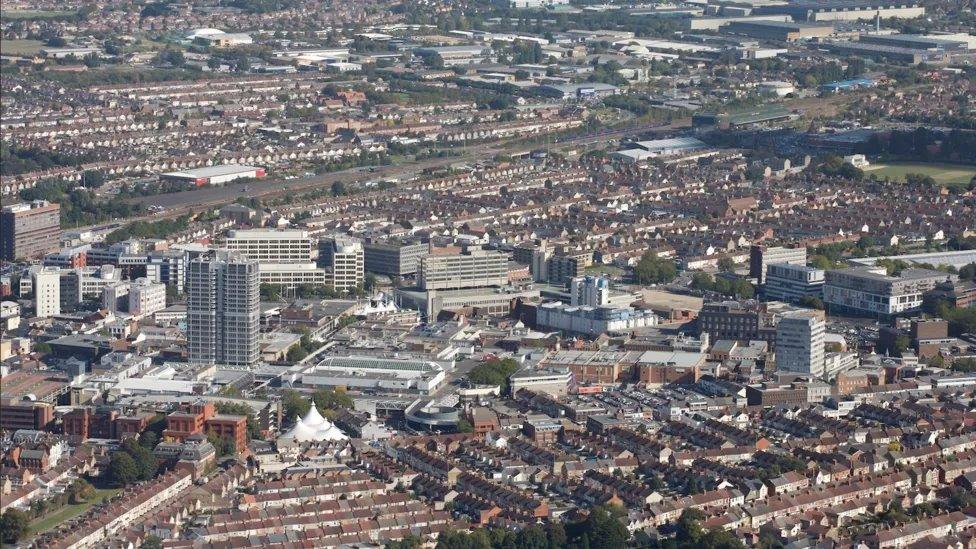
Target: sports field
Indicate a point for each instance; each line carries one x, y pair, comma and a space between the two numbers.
21, 47
945, 174
36, 14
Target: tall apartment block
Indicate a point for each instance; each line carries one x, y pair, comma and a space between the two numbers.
800, 343
222, 309
29, 230
47, 291
762, 256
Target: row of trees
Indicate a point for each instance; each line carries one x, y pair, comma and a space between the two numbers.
15, 160
739, 288
134, 462
494, 372
652, 269
80, 205
327, 401
149, 229
600, 529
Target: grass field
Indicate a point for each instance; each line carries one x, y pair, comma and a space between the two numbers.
53, 519
20, 47
35, 14
945, 174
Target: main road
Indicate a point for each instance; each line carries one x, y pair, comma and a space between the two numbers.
182, 202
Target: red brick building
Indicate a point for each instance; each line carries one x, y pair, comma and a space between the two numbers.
202, 417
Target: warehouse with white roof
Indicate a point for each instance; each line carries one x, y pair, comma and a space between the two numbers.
214, 175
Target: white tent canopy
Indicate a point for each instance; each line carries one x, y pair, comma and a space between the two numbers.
314, 428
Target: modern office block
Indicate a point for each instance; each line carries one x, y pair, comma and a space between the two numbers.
346, 260
589, 290
271, 246
869, 291
394, 257
762, 256
791, 283
474, 269
29, 230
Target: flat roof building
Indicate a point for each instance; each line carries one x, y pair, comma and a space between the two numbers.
880, 52
869, 291
271, 246
473, 269
214, 175
29, 230
778, 30
792, 283
394, 257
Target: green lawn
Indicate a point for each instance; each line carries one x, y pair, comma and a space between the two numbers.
54, 518
608, 270
35, 14
20, 47
945, 174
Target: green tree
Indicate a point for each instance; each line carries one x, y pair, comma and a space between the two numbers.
223, 445
80, 491
152, 542
122, 469
148, 439
331, 399
901, 345
654, 270
464, 426
297, 353
294, 404
494, 372
601, 529
13, 525
369, 283
726, 265
409, 542
145, 461
812, 302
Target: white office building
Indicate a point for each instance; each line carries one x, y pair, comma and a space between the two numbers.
47, 291
870, 291
271, 246
554, 380
800, 340
222, 309
292, 274
347, 261
146, 297
592, 321
473, 269
791, 283
115, 297
760, 257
